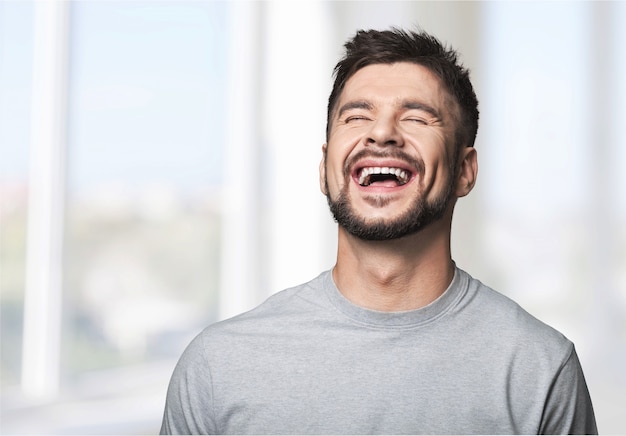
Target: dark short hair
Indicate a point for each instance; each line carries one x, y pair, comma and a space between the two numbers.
369, 47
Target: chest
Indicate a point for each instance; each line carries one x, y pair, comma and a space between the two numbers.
377, 383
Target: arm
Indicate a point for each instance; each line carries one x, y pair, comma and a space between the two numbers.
568, 408
189, 403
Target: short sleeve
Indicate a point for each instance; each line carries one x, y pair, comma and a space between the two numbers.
568, 408
189, 402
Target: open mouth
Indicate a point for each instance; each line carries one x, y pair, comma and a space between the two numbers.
383, 176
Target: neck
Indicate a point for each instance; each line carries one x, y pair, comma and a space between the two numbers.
395, 275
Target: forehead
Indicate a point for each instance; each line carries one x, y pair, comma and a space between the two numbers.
384, 83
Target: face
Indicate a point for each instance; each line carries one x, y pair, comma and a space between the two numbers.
389, 165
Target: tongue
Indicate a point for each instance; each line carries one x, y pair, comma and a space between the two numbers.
388, 183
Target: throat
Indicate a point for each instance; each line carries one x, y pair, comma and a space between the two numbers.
393, 293
392, 276
382, 180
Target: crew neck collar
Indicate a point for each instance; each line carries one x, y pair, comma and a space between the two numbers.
403, 319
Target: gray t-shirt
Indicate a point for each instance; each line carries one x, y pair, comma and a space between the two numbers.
308, 361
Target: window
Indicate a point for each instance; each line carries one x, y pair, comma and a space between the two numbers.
140, 173
16, 24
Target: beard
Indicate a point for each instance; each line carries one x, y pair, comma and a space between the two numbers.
420, 214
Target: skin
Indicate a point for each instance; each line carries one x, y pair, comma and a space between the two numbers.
386, 109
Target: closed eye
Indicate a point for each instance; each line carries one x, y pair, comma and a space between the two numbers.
417, 120
356, 118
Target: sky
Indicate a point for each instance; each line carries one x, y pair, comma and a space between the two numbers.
16, 40
146, 92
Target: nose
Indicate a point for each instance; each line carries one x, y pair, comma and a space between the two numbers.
384, 132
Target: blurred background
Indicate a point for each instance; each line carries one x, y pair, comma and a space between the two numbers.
158, 172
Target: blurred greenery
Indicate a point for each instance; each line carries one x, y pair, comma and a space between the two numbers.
129, 274
12, 268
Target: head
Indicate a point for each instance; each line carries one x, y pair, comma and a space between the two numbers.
370, 47
382, 86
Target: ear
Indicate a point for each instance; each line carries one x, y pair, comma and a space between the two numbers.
323, 170
468, 171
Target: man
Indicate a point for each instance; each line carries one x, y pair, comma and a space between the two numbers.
395, 338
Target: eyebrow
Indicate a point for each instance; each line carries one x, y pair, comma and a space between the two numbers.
416, 105
356, 104
404, 104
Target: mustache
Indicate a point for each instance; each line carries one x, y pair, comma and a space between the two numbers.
416, 163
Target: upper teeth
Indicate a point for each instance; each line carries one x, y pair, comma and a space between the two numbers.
401, 174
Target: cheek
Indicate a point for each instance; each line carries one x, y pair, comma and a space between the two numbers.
334, 173
444, 177
336, 157
439, 165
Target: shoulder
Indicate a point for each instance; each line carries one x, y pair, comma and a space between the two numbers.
543, 363
509, 324
231, 348
292, 306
